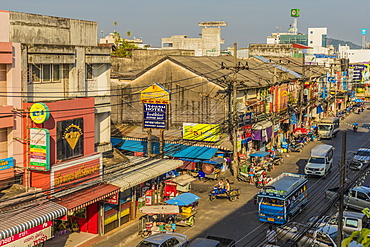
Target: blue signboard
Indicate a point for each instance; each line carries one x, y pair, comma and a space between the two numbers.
155, 116
363, 31
6, 163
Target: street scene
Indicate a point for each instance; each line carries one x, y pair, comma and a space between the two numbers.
240, 136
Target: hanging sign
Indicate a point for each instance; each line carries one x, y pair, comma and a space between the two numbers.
155, 116
39, 149
39, 113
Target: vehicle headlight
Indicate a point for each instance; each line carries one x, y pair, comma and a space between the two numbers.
280, 217
321, 169
262, 214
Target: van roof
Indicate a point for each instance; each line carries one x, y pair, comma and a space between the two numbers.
320, 150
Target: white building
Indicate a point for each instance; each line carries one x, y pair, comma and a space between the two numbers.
208, 45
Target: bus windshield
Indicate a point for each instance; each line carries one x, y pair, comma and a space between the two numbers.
317, 160
272, 202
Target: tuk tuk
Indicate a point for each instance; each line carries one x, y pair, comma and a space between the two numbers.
180, 211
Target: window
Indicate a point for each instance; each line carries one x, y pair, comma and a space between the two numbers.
171, 242
311, 42
361, 196
89, 72
167, 45
46, 73
351, 223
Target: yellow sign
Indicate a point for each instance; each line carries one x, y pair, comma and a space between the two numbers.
155, 94
201, 132
39, 113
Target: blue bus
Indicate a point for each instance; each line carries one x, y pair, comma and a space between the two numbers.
282, 197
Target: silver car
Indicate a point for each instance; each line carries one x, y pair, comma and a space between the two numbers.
164, 240
362, 155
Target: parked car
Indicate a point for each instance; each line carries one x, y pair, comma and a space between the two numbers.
165, 240
212, 241
357, 198
362, 155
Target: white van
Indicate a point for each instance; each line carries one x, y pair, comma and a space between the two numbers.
321, 160
328, 127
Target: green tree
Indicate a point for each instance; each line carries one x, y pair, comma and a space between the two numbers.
361, 237
123, 48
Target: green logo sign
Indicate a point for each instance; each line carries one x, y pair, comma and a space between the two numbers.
294, 12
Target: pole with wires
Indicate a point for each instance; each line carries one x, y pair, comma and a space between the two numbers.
234, 121
342, 172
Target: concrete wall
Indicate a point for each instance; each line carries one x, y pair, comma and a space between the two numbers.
41, 29
211, 41
193, 98
4, 26
277, 50
142, 59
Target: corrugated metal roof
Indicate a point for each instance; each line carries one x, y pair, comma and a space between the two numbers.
24, 218
140, 173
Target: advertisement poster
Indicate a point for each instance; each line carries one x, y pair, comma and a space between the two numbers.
39, 149
155, 116
70, 141
201, 132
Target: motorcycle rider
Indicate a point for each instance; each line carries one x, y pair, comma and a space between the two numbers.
355, 126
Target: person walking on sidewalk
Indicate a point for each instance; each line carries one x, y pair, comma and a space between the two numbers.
251, 175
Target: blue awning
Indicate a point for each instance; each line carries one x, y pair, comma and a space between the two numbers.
260, 154
190, 160
170, 149
183, 199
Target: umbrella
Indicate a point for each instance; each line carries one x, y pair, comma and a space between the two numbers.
183, 199
300, 131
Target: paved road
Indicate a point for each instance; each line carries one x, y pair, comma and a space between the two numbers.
238, 220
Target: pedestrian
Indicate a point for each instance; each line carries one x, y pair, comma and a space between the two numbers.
173, 226
251, 175
271, 236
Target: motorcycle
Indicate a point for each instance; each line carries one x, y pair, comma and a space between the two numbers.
232, 194
295, 148
355, 127
312, 137
277, 160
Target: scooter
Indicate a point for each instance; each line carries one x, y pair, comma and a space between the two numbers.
277, 160
355, 127
295, 148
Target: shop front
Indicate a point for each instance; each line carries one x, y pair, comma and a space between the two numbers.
140, 185
84, 207
261, 134
30, 225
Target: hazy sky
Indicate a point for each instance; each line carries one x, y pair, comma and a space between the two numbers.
248, 21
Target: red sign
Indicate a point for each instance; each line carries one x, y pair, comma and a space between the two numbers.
113, 200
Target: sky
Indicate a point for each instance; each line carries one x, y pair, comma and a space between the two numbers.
249, 22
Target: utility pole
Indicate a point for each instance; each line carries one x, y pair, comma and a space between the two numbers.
234, 121
273, 109
342, 171
302, 89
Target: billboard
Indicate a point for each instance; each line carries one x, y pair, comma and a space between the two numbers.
39, 149
155, 94
70, 141
294, 12
155, 116
201, 132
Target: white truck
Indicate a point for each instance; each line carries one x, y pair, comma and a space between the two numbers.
328, 127
321, 160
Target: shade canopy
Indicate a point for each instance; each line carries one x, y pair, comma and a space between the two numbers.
160, 209
215, 161
183, 199
358, 100
260, 154
300, 131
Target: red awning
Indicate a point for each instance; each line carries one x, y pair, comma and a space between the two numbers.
87, 196
300, 46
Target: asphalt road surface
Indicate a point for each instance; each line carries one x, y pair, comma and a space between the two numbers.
239, 219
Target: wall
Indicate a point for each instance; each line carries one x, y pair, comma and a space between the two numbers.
211, 41
276, 50
4, 26
142, 59
189, 100
41, 29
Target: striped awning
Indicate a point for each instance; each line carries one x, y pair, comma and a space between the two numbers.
86, 197
142, 172
24, 218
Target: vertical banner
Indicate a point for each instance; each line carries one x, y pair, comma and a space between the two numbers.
39, 149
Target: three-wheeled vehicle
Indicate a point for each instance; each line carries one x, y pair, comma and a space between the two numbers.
232, 195
179, 211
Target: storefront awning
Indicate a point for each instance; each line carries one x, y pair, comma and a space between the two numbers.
140, 173
215, 161
86, 197
262, 125
32, 215
170, 149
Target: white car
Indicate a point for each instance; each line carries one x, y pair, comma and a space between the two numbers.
362, 155
165, 240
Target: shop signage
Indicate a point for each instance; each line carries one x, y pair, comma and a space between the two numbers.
155, 94
39, 149
70, 141
294, 12
6, 163
201, 132
113, 199
31, 237
39, 113
155, 116
83, 171
245, 119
